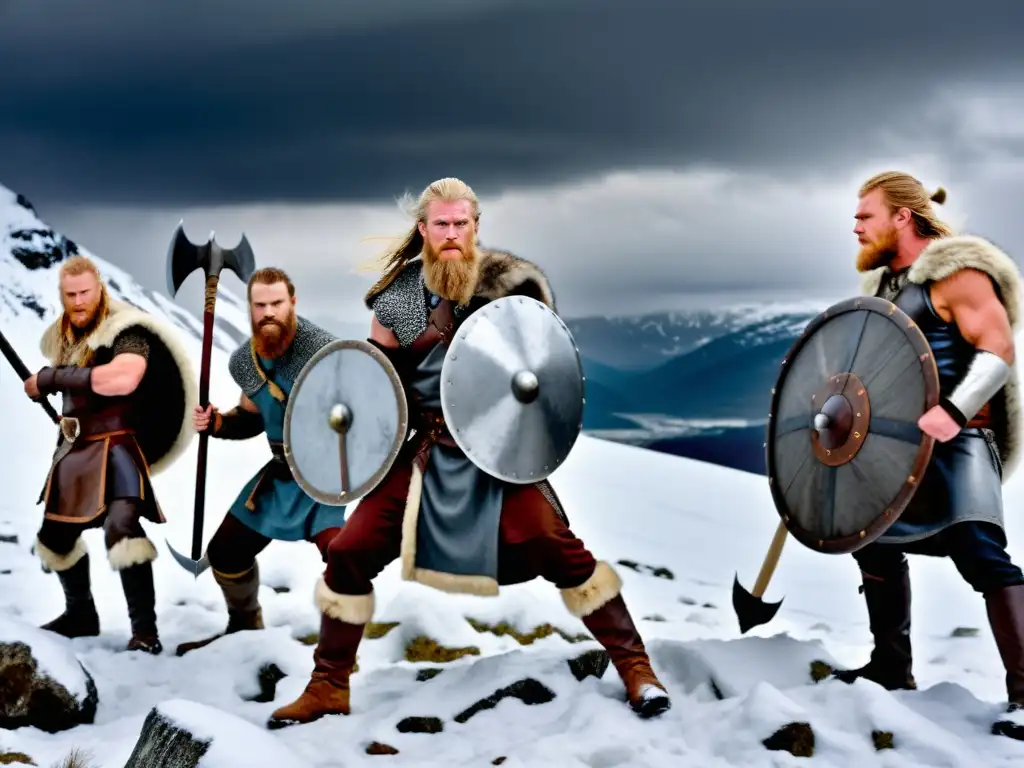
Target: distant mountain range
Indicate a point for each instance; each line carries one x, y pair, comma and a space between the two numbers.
695, 384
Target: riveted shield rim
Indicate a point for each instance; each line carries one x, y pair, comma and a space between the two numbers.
539, 473
930, 379
401, 404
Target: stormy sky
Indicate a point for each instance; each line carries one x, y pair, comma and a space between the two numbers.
646, 154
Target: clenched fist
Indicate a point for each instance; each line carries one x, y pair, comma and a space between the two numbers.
31, 388
201, 418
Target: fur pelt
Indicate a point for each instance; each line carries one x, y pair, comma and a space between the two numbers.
503, 273
940, 259
121, 317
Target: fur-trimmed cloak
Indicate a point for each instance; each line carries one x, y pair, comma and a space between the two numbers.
121, 317
939, 260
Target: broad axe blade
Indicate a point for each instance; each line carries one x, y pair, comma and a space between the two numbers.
751, 611
195, 567
184, 257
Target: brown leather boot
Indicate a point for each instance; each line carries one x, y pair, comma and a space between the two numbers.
1006, 616
241, 593
613, 627
327, 692
891, 662
79, 618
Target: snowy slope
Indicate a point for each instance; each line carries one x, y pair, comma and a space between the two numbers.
700, 522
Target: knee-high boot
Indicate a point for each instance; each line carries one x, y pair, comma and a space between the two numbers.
241, 594
1006, 616
327, 692
140, 595
79, 618
599, 604
888, 604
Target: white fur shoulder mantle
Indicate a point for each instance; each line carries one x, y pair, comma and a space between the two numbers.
122, 317
947, 255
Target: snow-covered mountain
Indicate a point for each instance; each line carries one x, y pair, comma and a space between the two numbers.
30, 255
641, 342
678, 531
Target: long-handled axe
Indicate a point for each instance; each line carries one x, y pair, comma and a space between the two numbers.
183, 258
751, 610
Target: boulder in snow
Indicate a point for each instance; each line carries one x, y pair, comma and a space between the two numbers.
45, 685
186, 734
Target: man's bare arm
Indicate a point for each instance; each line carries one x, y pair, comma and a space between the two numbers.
969, 299
120, 376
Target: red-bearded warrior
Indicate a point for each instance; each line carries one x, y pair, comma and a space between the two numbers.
454, 527
963, 293
271, 506
127, 386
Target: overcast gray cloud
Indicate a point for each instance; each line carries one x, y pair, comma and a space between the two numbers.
642, 151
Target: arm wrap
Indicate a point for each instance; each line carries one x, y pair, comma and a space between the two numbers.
239, 424
984, 378
68, 378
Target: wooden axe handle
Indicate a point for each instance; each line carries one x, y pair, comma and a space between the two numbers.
771, 560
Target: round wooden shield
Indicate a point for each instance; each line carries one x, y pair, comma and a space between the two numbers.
844, 452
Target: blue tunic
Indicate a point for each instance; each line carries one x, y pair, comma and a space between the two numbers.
281, 510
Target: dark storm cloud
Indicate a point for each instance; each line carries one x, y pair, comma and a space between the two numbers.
123, 103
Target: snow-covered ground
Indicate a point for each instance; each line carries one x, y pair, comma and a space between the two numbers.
700, 522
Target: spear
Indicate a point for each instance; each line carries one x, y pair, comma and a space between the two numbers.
23, 372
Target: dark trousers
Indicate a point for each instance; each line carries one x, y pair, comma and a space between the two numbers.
978, 550
234, 546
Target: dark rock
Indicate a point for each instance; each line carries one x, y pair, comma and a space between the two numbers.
498, 760
428, 673
24, 203
162, 744
376, 748
527, 690
964, 632
268, 677
5, 572
8, 538
687, 601
882, 740
421, 725
282, 590
12, 758
657, 571
30, 698
795, 738
589, 664
821, 671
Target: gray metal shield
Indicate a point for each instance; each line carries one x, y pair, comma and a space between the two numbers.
345, 422
844, 453
512, 389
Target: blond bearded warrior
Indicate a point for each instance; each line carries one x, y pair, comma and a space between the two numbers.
127, 386
454, 527
963, 293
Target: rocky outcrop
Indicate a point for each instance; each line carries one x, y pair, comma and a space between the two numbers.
45, 685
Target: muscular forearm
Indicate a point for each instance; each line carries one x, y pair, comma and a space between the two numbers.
237, 424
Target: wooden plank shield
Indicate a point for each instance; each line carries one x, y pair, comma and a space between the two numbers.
844, 452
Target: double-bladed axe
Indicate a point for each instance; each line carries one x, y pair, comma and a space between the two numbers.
183, 258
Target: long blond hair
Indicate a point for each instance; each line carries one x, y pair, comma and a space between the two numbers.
901, 190
74, 343
446, 190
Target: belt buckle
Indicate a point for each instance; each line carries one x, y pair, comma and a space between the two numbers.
70, 428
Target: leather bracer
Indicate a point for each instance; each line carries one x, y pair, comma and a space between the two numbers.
67, 378
238, 424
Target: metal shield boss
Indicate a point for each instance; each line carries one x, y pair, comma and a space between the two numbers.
512, 389
844, 453
345, 422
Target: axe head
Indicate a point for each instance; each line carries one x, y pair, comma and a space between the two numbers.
185, 257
